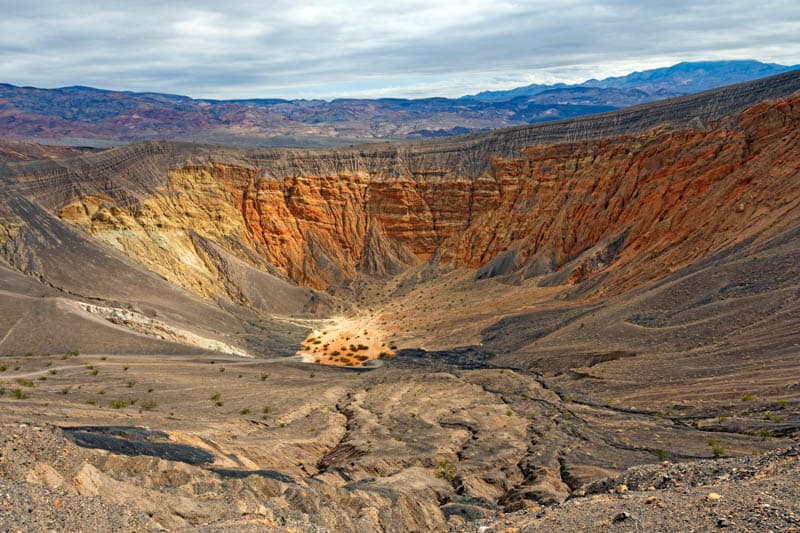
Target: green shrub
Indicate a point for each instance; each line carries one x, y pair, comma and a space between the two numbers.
662, 454
446, 470
747, 397
716, 448
148, 405
244, 411
119, 404
19, 394
24, 382
216, 396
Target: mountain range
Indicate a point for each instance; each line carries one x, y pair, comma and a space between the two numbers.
94, 117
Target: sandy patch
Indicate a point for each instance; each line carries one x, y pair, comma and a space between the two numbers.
351, 342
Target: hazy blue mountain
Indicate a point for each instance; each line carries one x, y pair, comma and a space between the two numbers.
682, 78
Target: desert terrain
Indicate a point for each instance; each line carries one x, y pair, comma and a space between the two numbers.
590, 324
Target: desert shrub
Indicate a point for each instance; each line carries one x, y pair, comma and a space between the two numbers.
747, 397
24, 382
765, 434
19, 394
264, 376
662, 454
148, 405
716, 448
119, 404
244, 411
446, 470
216, 396
772, 418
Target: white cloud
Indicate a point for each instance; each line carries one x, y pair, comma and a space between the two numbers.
333, 48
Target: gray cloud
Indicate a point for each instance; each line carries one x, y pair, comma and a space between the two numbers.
337, 48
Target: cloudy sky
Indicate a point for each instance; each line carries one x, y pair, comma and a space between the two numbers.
335, 48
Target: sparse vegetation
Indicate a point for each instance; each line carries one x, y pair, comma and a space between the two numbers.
662, 455
772, 418
148, 405
766, 434
53, 371
216, 396
244, 411
19, 394
716, 448
119, 404
130, 384
747, 397
446, 470
264, 376
24, 382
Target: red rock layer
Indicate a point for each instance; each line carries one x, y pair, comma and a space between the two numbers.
666, 198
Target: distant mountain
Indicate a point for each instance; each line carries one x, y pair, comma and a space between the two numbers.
682, 78
94, 117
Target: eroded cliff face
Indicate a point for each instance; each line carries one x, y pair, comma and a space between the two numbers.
650, 203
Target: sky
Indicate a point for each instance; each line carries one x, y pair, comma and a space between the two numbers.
365, 48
